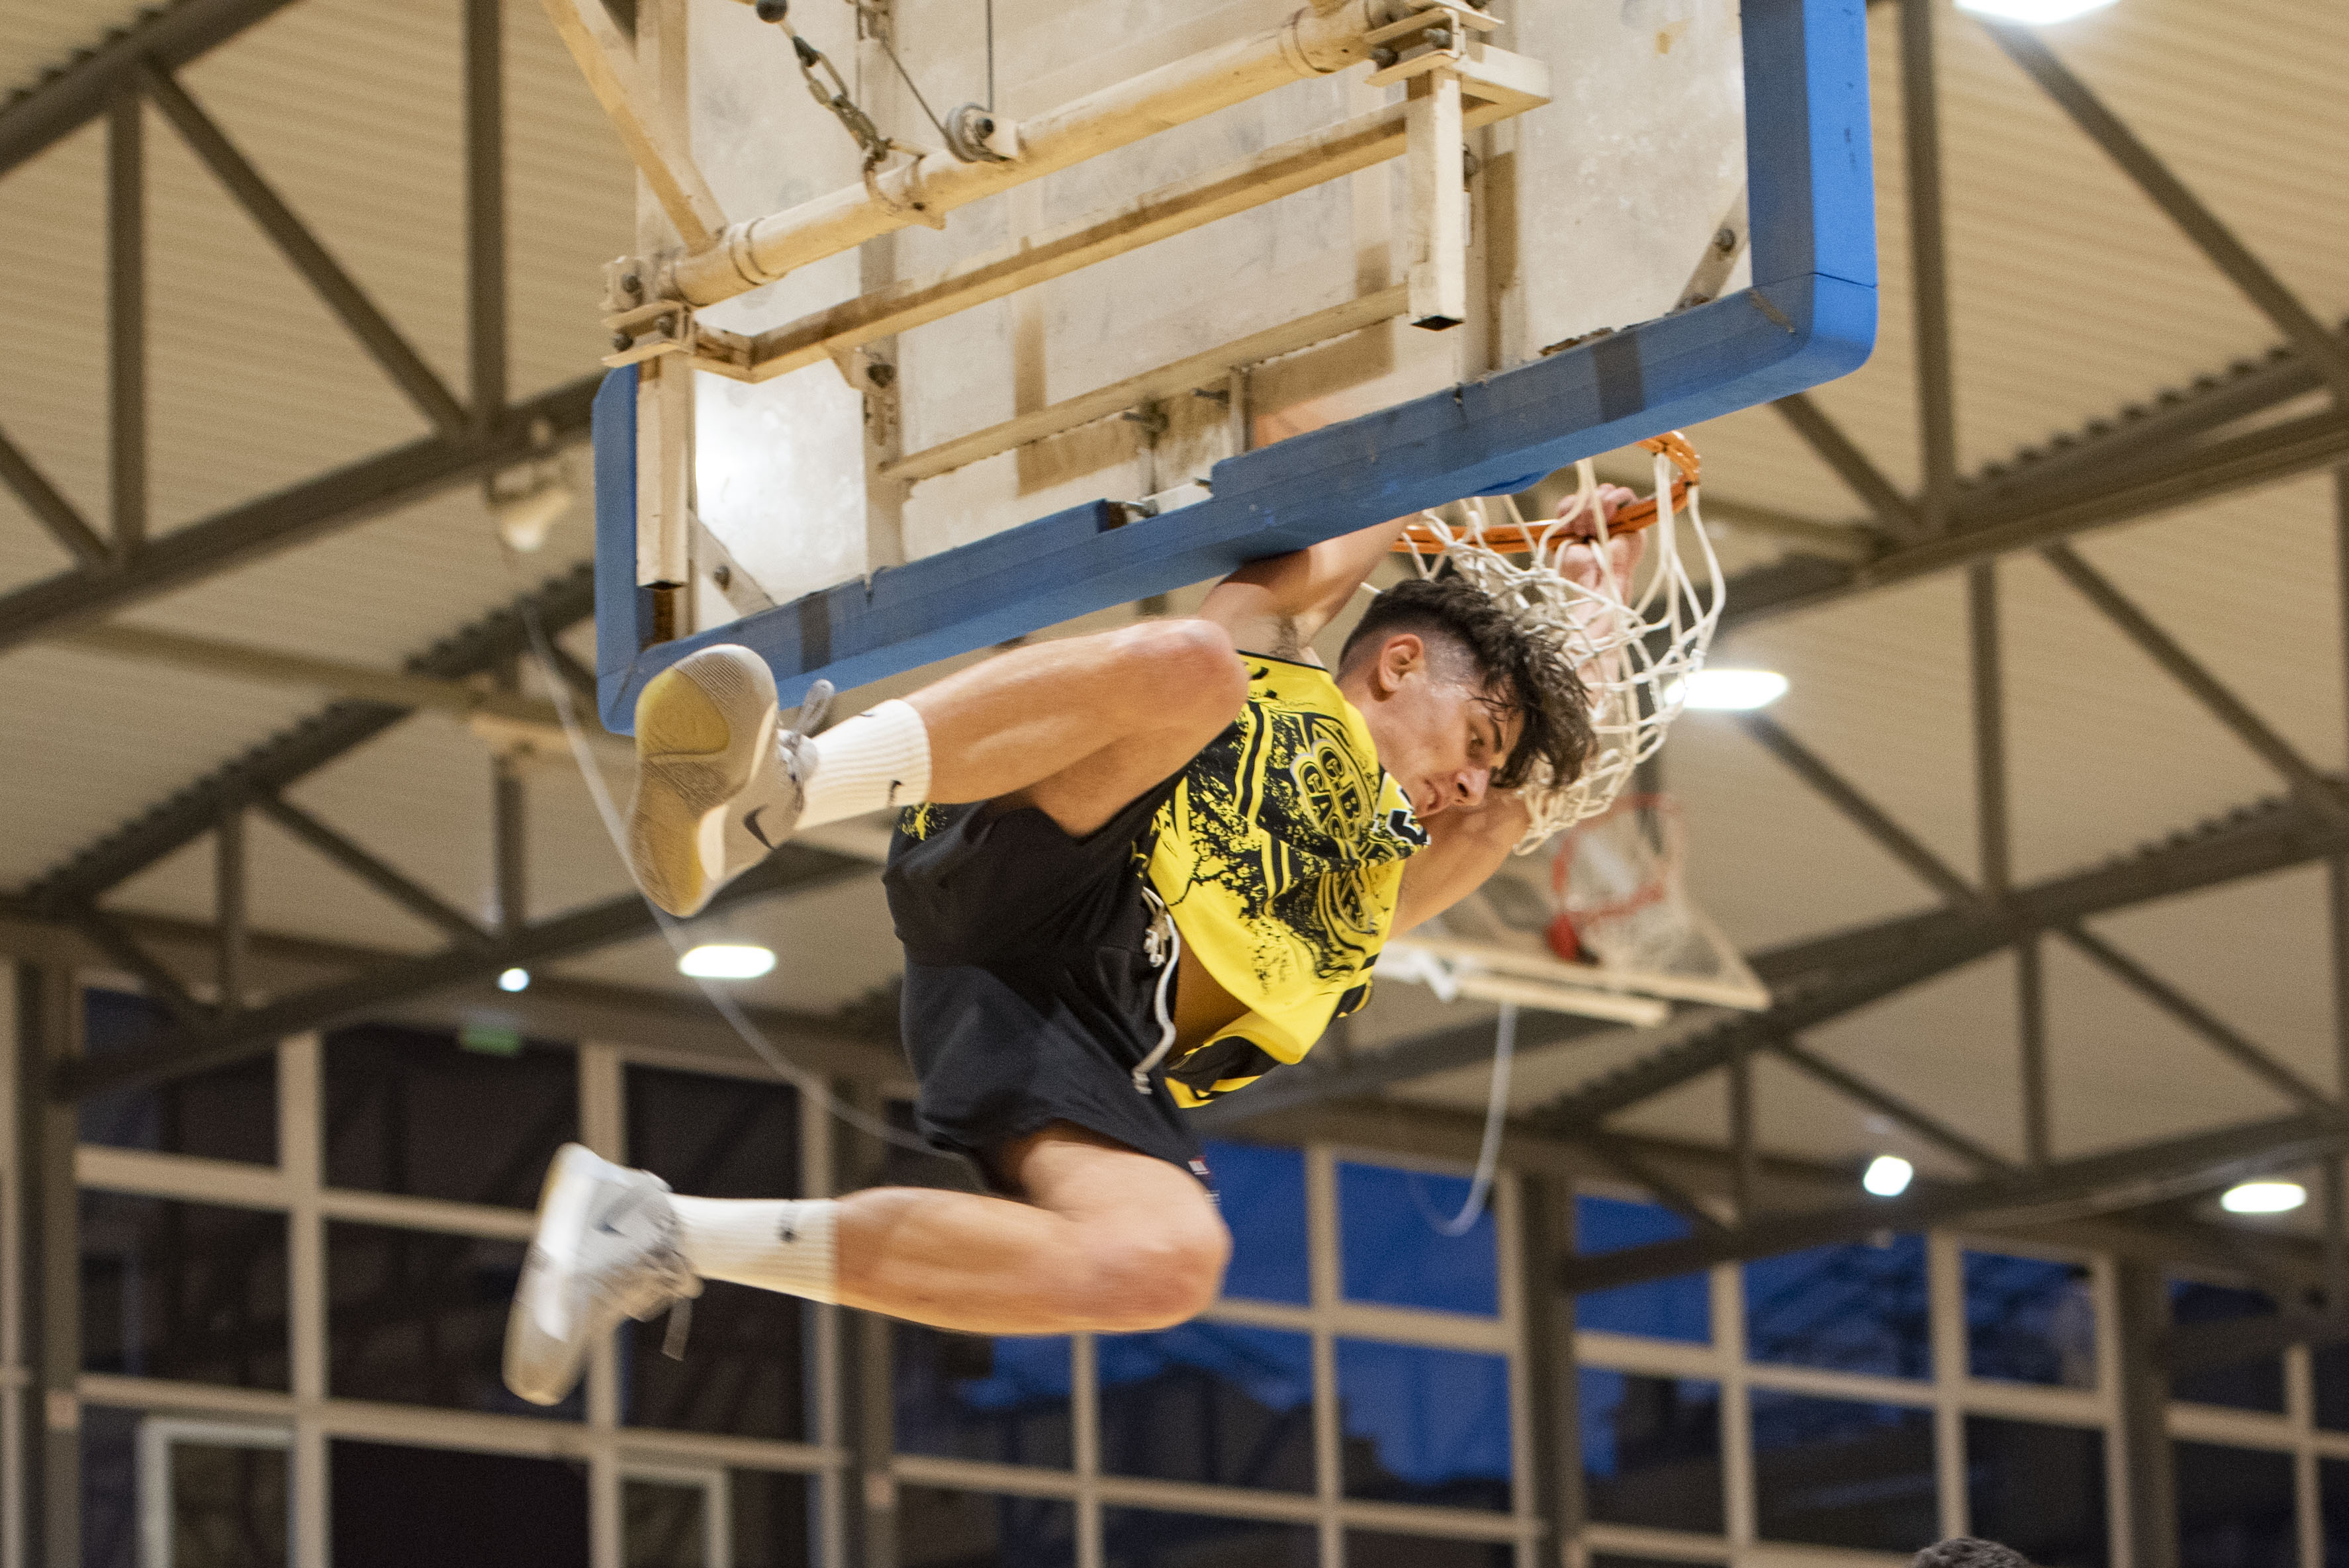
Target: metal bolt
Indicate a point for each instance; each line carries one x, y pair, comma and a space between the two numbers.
631, 283
622, 342
773, 10
1383, 57
1725, 240
1438, 38
722, 575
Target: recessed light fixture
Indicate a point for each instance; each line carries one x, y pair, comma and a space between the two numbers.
514, 980
1729, 691
727, 961
2031, 13
1887, 1176
2263, 1198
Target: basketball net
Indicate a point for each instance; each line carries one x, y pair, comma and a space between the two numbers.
1634, 642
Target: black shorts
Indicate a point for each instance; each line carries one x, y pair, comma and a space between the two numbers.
1029, 996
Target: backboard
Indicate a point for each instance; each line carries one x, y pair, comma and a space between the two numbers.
1229, 281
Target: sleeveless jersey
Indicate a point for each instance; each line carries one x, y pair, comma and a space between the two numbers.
1280, 855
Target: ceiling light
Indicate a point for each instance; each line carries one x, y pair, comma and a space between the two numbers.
2031, 13
727, 961
1887, 1176
2263, 1198
514, 980
1733, 691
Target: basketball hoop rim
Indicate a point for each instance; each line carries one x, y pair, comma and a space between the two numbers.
1422, 539
1654, 890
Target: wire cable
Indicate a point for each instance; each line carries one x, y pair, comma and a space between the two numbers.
811, 1084
1488, 1155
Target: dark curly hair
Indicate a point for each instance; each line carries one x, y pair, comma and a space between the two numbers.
1969, 1551
1518, 666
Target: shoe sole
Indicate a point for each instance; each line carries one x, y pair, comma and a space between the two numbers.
692, 761
520, 1319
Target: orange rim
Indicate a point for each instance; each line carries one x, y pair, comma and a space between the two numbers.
1520, 538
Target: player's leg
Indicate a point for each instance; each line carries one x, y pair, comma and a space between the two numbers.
718, 791
1110, 1241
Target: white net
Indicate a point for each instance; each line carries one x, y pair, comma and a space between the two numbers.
1635, 642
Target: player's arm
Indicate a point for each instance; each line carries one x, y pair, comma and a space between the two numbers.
1464, 846
1278, 605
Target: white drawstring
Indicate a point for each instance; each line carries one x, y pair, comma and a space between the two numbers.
1163, 945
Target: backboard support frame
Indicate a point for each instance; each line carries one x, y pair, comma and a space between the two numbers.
1809, 317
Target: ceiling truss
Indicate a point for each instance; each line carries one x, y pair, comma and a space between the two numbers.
2224, 433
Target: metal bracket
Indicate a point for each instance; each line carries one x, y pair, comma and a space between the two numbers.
664, 326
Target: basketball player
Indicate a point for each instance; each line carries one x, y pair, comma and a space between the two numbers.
1132, 871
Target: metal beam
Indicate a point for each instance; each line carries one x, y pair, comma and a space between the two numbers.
509, 842
126, 320
255, 529
2148, 1499
69, 97
292, 754
2030, 512
485, 208
1852, 1086
2128, 1178
49, 508
1890, 509
1821, 978
302, 250
228, 903
792, 868
1858, 809
2167, 191
411, 897
47, 1037
2183, 1008
2312, 787
1929, 269
107, 936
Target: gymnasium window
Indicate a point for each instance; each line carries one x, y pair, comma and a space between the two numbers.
942, 1529
428, 1115
1844, 1472
2029, 1320
1150, 1538
1260, 1189
2235, 1507
1213, 1402
2040, 1489
2257, 1384
966, 1396
1854, 1308
227, 1113
1423, 1425
414, 1317
1677, 1308
1651, 1450
1392, 1253
187, 1290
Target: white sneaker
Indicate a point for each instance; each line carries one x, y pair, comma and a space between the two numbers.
606, 1248
718, 788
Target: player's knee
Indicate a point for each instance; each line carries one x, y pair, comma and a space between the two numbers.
1157, 1280
1188, 668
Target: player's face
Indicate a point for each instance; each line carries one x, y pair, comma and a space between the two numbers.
1439, 737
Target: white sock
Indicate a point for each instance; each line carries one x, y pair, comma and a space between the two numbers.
880, 759
773, 1243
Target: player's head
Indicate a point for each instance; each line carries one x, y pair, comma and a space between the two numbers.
1460, 696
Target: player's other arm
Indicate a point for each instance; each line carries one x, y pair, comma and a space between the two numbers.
1465, 844
1279, 604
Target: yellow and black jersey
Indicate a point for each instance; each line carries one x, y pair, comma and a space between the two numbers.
1280, 855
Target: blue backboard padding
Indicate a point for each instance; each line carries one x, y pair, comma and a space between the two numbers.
1810, 317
